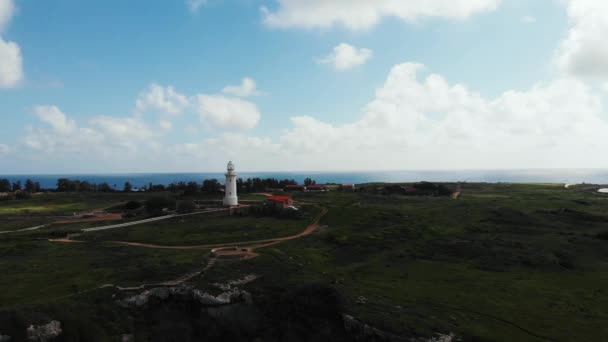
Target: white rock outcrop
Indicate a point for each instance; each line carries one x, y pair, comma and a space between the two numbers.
45, 332
163, 293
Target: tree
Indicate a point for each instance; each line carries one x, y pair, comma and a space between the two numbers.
30, 186
191, 188
128, 187
104, 187
63, 184
85, 186
5, 185
17, 186
309, 181
211, 185
156, 188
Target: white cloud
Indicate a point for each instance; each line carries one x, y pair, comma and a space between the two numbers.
162, 99
230, 145
125, 131
228, 113
165, 125
11, 69
195, 5
430, 124
345, 57
54, 117
4, 150
104, 135
247, 88
363, 14
7, 9
414, 122
584, 52
528, 19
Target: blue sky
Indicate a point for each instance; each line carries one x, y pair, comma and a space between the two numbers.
322, 85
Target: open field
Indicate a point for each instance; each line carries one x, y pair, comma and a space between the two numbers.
200, 229
505, 262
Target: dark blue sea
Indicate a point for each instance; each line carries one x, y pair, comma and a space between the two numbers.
594, 176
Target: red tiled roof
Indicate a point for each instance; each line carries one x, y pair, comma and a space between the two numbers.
279, 198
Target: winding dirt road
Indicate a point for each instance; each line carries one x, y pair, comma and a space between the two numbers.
235, 250
232, 248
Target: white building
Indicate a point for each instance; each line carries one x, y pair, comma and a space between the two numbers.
230, 198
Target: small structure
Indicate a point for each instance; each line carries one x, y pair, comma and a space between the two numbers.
410, 190
348, 187
293, 187
316, 188
279, 202
230, 196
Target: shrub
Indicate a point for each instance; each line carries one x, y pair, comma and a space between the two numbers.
132, 205
186, 207
602, 236
23, 195
290, 213
155, 205
129, 215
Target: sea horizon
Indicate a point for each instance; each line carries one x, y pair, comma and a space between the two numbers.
139, 179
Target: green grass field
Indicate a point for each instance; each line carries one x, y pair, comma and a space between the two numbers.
204, 229
505, 262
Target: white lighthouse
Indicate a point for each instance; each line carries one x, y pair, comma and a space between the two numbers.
230, 198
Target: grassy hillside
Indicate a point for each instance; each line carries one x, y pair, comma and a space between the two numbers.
505, 262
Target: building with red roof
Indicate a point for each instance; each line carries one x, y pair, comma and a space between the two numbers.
316, 188
280, 201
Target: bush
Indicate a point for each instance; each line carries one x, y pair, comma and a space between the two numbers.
23, 195
602, 236
290, 213
132, 205
186, 207
155, 205
129, 215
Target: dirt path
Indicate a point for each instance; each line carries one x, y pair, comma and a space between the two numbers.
229, 248
263, 194
456, 194
234, 250
98, 216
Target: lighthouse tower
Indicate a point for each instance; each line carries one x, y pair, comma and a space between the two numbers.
230, 198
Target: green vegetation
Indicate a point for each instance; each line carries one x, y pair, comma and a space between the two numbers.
501, 259
504, 262
203, 230
63, 203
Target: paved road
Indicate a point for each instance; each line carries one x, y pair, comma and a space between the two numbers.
127, 224
23, 230
133, 223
